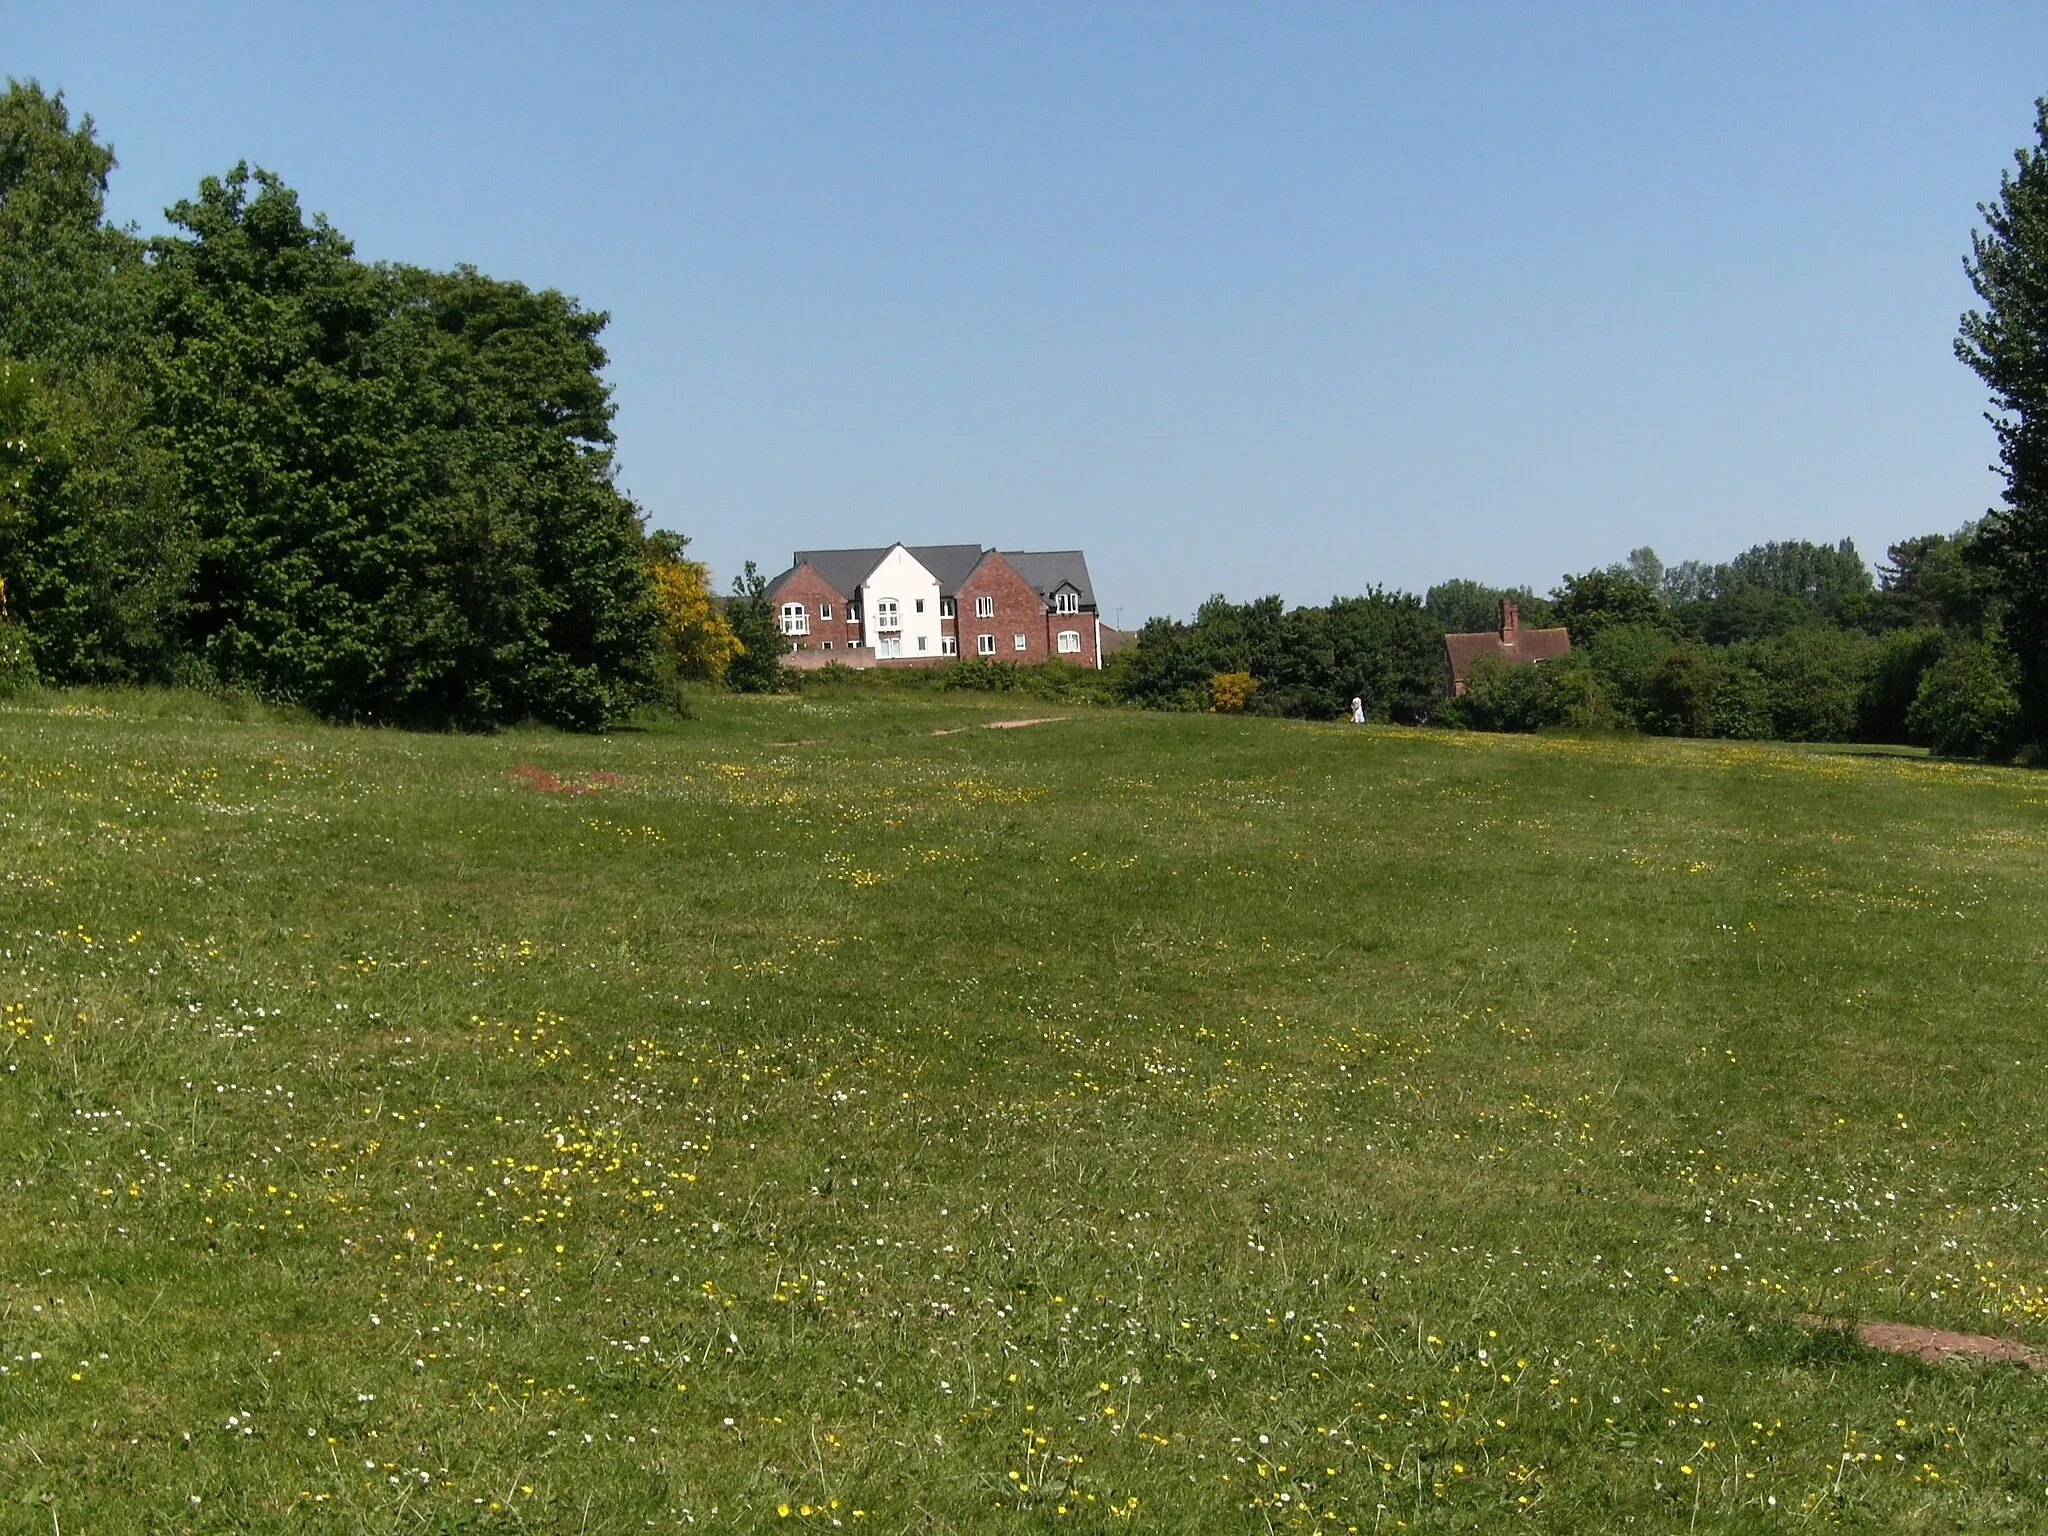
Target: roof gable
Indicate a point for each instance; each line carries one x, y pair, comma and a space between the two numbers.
1047, 570
846, 569
951, 563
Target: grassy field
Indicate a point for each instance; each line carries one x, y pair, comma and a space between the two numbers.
842, 1116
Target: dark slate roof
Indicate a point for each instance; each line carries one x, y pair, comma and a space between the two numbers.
1047, 570
846, 569
949, 562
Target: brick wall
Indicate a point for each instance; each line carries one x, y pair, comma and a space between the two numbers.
1019, 610
806, 586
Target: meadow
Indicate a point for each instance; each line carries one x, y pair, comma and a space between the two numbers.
829, 1113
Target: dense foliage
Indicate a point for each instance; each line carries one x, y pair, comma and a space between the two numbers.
1383, 647
2006, 344
1790, 641
239, 456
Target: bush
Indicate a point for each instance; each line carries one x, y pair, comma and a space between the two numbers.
1679, 694
17, 661
1742, 701
1898, 662
1497, 697
1230, 692
984, 676
1625, 657
1816, 679
1968, 703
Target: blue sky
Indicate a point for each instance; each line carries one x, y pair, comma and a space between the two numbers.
1239, 298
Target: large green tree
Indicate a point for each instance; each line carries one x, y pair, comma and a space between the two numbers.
2006, 344
92, 547
400, 480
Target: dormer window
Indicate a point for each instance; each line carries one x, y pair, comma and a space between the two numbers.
1066, 600
946, 609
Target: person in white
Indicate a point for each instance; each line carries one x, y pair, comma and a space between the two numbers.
1358, 711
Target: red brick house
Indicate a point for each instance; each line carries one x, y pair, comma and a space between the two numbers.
923, 605
1512, 644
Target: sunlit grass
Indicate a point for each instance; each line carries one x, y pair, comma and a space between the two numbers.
1136, 1122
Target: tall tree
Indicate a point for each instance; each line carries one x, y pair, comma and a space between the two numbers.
1600, 600
93, 549
756, 667
2006, 344
400, 480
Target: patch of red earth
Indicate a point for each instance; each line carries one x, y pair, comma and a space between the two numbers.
541, 782
1936, 1346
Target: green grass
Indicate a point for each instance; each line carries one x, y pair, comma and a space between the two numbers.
1137, 1122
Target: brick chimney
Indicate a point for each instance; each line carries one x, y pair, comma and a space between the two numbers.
1510, 621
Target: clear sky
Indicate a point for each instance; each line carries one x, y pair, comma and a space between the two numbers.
1240, 298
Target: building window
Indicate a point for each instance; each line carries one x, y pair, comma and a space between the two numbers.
1066, 600
920, 605
946, 609
986, 644
1023, 641
949, 645
886, 614
853, 613
828, 645
892, 645
824, 610
794, 620
984, 607
924, 642
1070, 642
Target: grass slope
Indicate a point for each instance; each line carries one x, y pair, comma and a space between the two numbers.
1134, 1122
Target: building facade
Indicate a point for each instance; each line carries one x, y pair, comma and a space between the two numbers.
921, 605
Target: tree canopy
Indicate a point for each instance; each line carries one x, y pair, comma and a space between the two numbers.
2006, 344
379, 491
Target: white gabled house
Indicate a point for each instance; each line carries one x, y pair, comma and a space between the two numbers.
899, 607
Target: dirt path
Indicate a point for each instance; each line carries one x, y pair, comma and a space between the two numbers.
1003, 725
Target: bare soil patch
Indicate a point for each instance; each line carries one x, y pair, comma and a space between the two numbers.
1936, 1346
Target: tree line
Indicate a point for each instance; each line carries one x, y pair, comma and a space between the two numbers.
1789, 641
237, 456
1946, 644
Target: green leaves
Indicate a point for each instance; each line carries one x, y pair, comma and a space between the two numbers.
256, 461
2006, 345
401, 479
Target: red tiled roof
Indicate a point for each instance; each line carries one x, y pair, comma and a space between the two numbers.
1518, 645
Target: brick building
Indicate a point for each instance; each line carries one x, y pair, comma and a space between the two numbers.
1512, 644
920, 605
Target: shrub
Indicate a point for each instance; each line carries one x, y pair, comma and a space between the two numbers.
1898, 661
1625, 657
1679, 693
1230, 692
1968, 702
1742, 700
17, 661
1815, 677
1497, 697
984, 676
